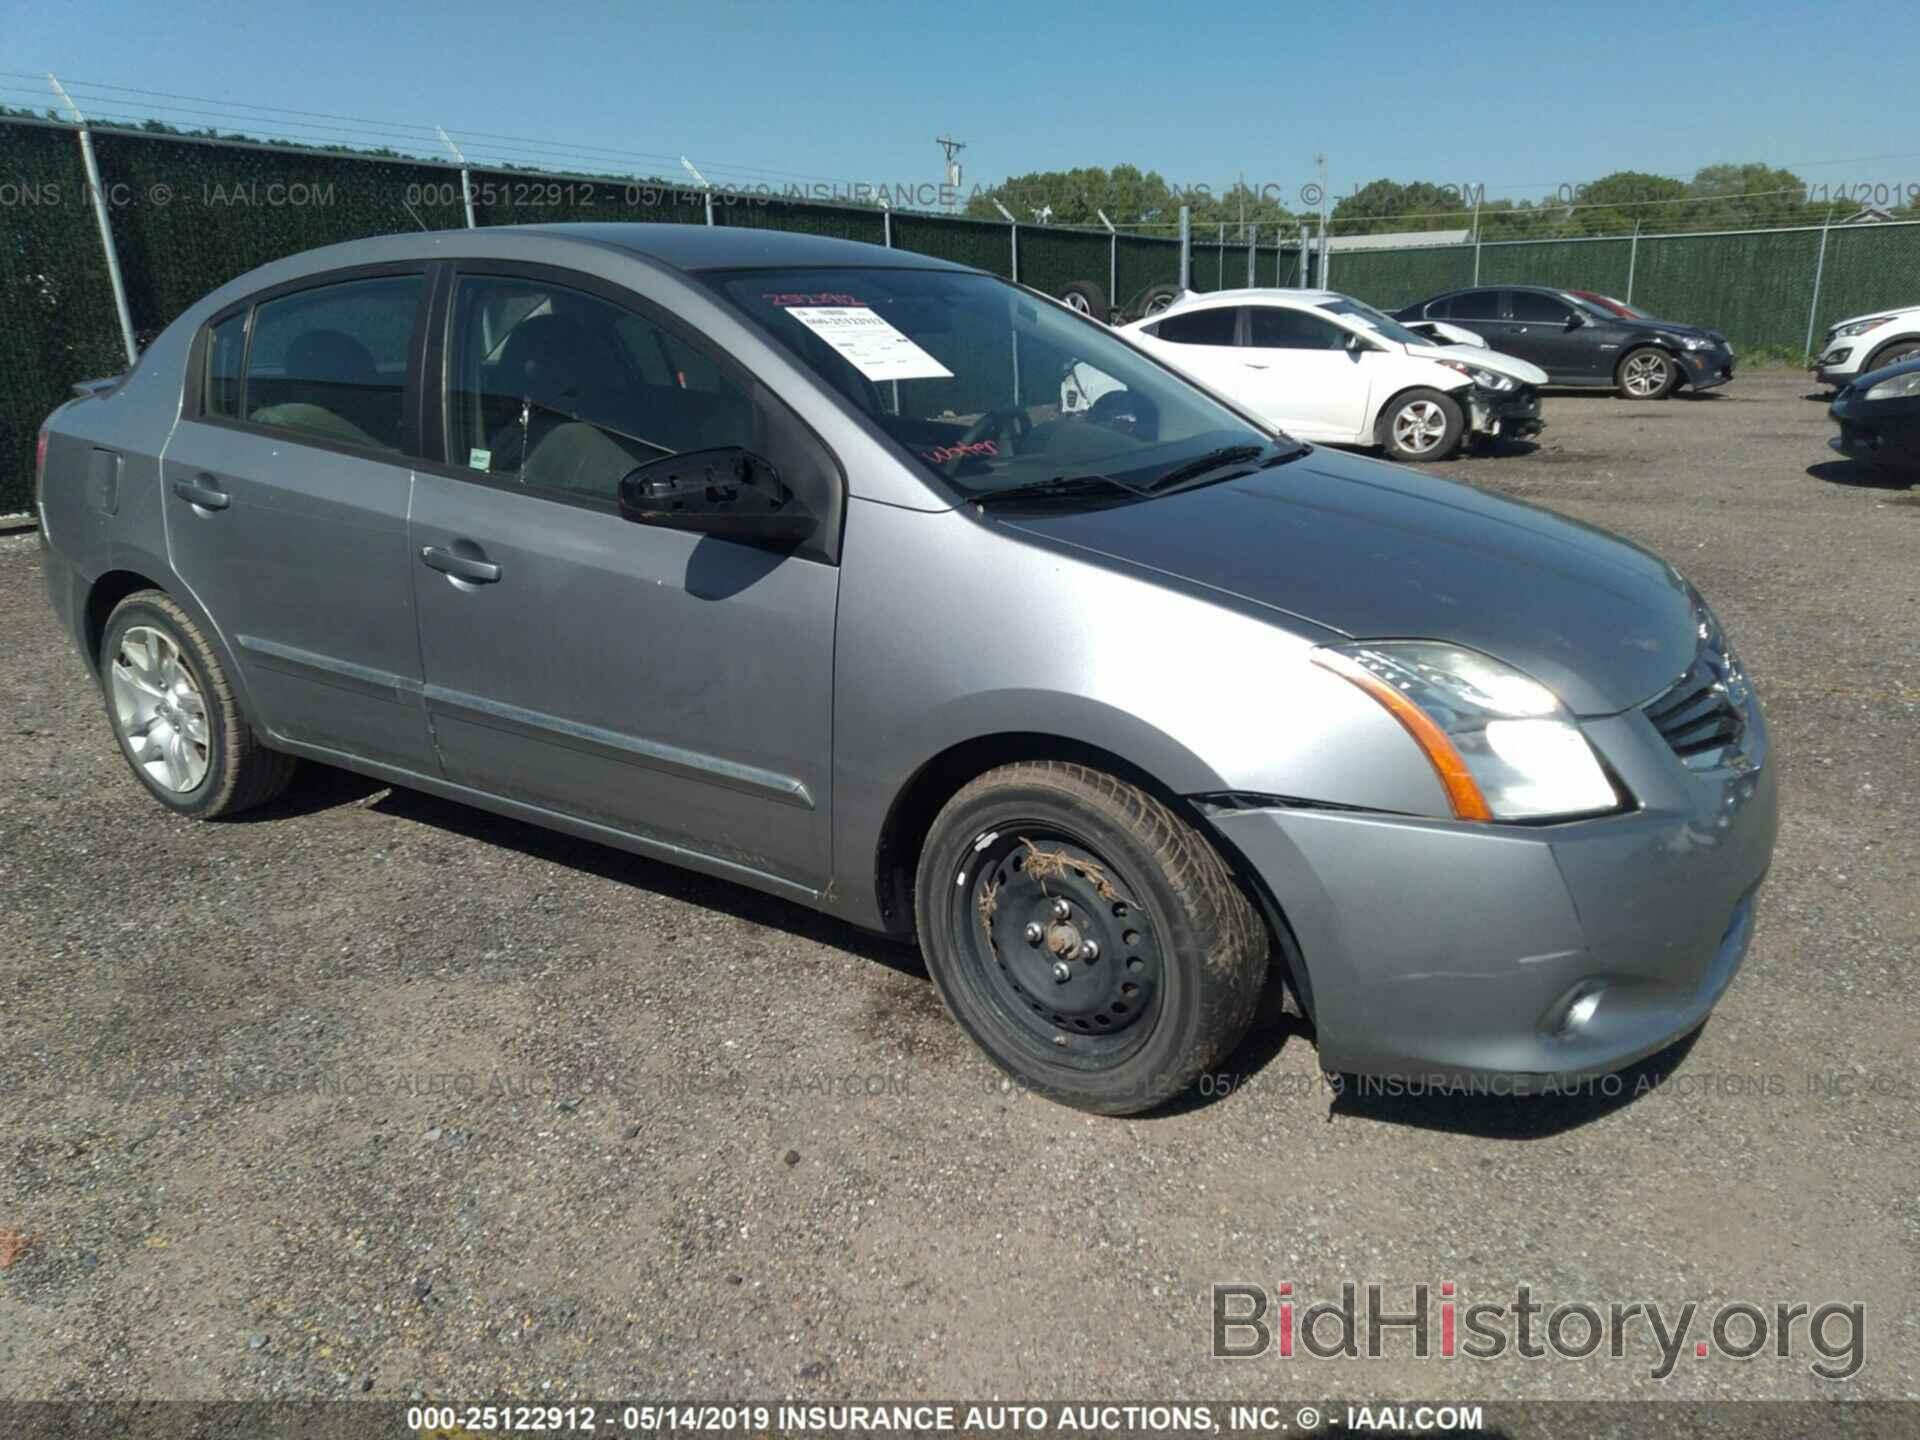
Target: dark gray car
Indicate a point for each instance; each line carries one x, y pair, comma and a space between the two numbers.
777, 557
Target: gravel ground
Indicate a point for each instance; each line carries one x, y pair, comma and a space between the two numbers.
373, 1094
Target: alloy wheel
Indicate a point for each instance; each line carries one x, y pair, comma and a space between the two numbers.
1419, 427
1645, 375
160, 710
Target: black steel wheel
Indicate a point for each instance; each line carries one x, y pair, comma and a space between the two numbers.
1091, 941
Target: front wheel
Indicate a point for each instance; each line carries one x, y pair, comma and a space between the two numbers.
1422, 425
1092, 942
1647, 374
1892, 355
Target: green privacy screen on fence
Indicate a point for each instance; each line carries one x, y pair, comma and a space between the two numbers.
188, 215
57, 321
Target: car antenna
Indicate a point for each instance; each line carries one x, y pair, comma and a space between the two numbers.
410, 211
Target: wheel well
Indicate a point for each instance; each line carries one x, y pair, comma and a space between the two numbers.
108, 591
1874, 362
1386, 410
941, 778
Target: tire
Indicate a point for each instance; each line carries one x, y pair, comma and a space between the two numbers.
1421, 425
167, 694
1892, 355
1086, 297
1178, 957
1157, 298
1647, 373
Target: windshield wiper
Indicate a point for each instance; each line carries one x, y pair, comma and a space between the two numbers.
1059, 487
1203, 466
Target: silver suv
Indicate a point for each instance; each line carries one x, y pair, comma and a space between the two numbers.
776, 557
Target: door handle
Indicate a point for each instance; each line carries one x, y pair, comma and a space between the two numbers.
1254, 364
460, 567
202, 492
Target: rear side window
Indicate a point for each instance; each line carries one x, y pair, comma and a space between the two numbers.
1272, 327
226, 349
1527, 305
1475, 305
332, 361
1200, 327
565, 392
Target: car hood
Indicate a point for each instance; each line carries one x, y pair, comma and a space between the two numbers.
1375, 551
1494, 360
1898, 312
1673, 327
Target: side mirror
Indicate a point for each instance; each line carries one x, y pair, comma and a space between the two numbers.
1575, 320
730, 492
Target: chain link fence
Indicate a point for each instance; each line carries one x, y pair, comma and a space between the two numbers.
188, 214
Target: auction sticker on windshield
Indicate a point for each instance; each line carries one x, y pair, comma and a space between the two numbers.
869, 343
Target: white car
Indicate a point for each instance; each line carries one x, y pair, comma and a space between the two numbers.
1867, 342
1323, 366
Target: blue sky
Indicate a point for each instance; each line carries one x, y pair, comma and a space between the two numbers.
1519, 98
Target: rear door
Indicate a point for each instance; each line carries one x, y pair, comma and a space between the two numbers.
1205, 344
1317, 388
671, 686
286, 485
1481, 311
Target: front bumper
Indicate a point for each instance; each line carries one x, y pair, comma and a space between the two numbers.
1836, 366
1885, 433
1504, 413
1704, 369
1450, 952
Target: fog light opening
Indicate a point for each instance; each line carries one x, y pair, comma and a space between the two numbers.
1580, 1010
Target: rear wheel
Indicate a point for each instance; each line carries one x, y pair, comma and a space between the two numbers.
1086, 937
1647, 374
1086, 297
1422, 425
175, 716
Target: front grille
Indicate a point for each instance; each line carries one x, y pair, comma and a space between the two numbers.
1701, 717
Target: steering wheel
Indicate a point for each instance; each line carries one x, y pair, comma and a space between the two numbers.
996, 422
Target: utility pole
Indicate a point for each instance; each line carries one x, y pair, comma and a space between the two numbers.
466, 175
705, 189
953, 148
91, 167
1325, 207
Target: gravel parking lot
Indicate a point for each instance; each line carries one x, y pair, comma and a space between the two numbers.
371, 1093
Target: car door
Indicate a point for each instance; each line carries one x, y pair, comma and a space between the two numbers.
1316, 386
1481, 311
285, 489
1548, 332
672, 687
1205, 344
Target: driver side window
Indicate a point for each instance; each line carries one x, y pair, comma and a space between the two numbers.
565, 392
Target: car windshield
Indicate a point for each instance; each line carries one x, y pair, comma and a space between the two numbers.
987, 386
1381, 323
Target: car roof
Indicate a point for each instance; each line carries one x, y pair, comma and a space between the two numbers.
729, 247
1304, 299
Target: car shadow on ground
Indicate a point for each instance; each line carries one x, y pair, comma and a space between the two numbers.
1473, 1111
317, 788
1862, 476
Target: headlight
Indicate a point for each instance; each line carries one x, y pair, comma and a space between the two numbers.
1897, 388
1859, 327
1502, 745
1485, 379
1688, 342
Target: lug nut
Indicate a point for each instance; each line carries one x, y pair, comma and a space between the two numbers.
1061, 910
1062, 972
1089, 951
1034, 932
